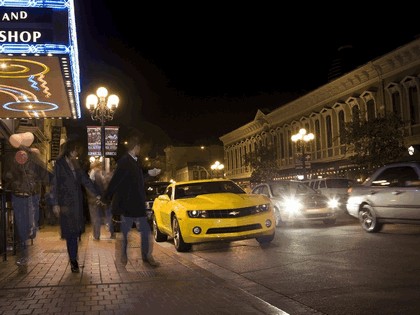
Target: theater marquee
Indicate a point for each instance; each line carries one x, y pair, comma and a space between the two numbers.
39, 67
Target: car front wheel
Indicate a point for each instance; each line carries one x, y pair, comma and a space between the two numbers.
367, 219
179, 243
157, 235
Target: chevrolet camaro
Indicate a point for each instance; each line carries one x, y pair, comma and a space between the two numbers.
200, 211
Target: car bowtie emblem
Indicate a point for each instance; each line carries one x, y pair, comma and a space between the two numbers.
234, 213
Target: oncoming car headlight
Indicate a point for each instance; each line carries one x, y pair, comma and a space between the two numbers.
197, 214
291, 205
333, 203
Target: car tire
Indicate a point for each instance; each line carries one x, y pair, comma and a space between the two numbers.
157, 235
179, 243
368, 221
265, 239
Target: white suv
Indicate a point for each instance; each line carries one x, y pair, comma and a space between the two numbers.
390, 195
333, 188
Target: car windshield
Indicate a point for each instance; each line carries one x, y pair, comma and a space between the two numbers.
338, 183
201, 188
290, 188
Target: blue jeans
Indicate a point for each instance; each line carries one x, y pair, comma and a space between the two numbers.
144, 228
26, 214
95, 212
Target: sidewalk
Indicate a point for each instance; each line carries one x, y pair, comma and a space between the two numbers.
104, 286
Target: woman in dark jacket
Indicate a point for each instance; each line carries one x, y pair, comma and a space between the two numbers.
67, 197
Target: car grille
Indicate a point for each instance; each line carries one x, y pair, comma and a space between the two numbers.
234, 229
314, 203
231, 213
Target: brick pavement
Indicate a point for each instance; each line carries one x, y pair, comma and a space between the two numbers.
104, 286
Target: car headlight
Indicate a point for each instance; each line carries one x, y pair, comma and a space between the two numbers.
197, 214
262, 208
333, 203
291, 205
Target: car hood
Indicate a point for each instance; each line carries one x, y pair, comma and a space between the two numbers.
305, 198
224, 201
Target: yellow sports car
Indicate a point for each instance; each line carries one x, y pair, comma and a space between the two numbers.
211, 210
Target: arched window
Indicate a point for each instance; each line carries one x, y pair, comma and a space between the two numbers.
413, 99
318, 139
328, 127
355, 112
341, 128
396, 103
281, 140
276, 149
370, 108
394, 91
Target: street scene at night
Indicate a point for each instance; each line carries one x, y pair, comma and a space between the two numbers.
208, 160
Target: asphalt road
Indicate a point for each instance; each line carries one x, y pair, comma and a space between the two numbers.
316, 269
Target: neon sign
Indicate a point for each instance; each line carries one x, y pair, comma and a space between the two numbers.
39, 66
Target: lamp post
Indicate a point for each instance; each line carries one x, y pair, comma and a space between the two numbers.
301, 139
102, 107
217, 167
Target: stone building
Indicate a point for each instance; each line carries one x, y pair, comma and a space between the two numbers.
191, 162
388, 83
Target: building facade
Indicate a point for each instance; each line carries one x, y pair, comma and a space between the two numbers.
389, 83
191, 162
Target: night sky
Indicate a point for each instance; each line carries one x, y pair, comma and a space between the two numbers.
191, 74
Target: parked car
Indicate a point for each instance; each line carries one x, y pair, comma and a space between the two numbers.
295, 201
390, 195
153, 190
199, 211
336, 188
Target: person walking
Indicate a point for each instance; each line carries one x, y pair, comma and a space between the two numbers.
126, 190
24, 176
67, 197
108, 210
99, 211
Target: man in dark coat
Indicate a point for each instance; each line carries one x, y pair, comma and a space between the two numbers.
126, 189
67, 197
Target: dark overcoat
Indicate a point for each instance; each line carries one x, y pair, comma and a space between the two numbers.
66, 191
126, 188
27, 178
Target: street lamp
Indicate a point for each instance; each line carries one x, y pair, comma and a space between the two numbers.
102, 107
216, 167
301, 139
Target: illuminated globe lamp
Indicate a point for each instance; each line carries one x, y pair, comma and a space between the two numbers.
301, 139
102, 107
